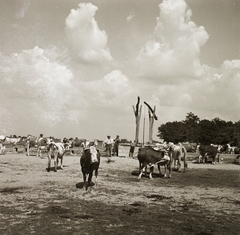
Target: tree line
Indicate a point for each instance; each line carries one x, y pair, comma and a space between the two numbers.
192, 129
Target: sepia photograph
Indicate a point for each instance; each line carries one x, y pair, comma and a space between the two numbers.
120, 117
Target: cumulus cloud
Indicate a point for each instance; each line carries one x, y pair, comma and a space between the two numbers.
215, 94
87, 41
35, 86
22, 7
174, 49
112, 91
218, 90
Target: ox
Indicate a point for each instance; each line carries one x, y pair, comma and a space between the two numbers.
190, 147
89, 162
12, 140
177, 154
39, 143
206, 151
2, 148
150, 157
55, 151
226, 148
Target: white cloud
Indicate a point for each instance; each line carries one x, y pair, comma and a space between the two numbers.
35, 87
112, 90
22, 7
130, 17
175, 48
87, 41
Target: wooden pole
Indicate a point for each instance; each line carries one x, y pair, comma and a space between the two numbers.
152, 116
137, 112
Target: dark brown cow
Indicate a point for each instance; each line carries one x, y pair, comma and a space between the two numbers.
150, 157
89, 162
206, 151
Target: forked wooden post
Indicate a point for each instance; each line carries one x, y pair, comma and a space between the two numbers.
137, 112
152, 116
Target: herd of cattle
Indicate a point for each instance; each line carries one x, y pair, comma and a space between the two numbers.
164, 155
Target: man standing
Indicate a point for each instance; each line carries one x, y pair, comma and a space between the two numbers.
116, 145
132, 148
108, 143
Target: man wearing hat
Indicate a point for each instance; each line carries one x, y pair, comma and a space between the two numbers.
116, 145
108, 143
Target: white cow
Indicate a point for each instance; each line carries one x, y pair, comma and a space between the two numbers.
2, 148
56, 151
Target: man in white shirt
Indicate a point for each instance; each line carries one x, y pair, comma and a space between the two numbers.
108, 143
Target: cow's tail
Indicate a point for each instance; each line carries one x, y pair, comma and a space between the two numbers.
184, 157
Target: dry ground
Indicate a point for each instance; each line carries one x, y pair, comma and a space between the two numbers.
204, 200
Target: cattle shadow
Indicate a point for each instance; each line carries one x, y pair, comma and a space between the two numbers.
58, 168
81, 185
146, 175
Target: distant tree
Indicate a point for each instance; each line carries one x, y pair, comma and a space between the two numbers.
191, 127
172, 132
207, 132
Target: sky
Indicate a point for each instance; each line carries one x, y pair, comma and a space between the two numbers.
75, 69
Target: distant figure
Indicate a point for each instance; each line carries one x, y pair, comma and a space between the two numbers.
108, 143
132, 148
40, 137
116, 145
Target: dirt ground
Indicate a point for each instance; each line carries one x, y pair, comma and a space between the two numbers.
202, 201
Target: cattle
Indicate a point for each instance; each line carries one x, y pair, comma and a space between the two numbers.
2, 137
12, 140
2, 148
206, 151
38, 142
226, 148
149, 157
237, 150
55, 151
190, 147
89, 162
178, 154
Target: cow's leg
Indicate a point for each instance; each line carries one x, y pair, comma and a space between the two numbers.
151, 172
61, 166
170, 166
84, 179
167, 167
214, 157
204, 158
55, 162
140, 167
165, 170
143, 165
179, 164
89, 179
159, 169
49, 162
28, 151
96, 175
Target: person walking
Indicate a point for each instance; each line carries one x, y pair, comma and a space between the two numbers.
116, 145
132, 148
108, 143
